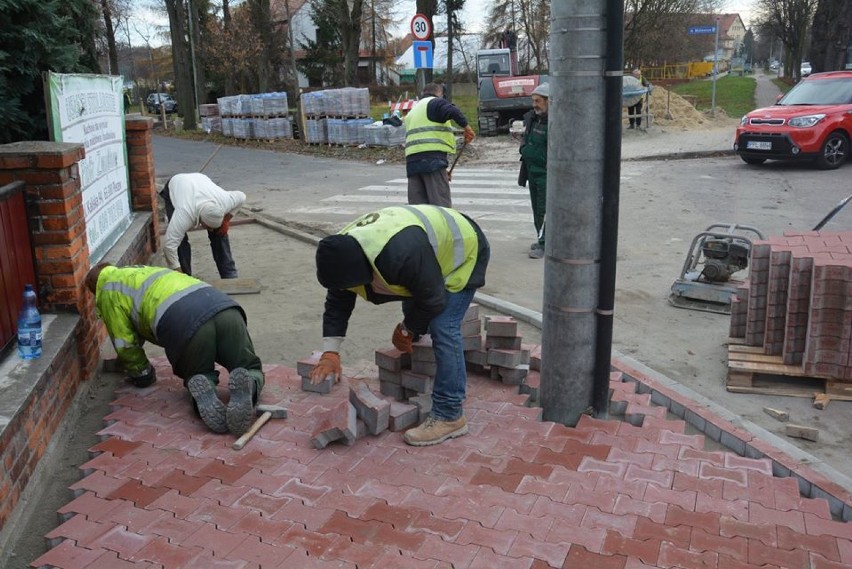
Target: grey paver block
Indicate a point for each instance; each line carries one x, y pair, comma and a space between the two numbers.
504, 326
373, 410
402, 416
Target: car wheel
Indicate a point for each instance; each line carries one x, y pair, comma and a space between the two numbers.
834, 152
753, 161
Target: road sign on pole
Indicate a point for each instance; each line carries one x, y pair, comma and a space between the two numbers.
421, 28
701, 30
422, 54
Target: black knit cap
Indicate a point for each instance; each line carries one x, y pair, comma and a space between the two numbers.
341, 263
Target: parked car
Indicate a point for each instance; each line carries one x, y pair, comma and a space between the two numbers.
813, 121
154, 101
806, 68
774, 65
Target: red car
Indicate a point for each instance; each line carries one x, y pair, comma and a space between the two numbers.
813, 121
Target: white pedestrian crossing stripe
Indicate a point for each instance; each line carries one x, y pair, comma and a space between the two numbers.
491, 197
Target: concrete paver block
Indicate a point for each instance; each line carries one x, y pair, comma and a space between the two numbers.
392, 359
305, 366
402, 416
471, 343
512, 376
424, 368
477, 357
417, 381
423, 402
373, 410
323, 387
422, 350
337, 424
471, 328
389, 376
504, 358
472, 312
389, 389
501, 326
502, 343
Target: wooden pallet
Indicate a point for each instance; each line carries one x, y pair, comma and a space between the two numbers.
750, 370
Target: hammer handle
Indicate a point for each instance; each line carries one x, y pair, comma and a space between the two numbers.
258, 423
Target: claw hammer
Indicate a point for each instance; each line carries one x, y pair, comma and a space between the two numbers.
265, 413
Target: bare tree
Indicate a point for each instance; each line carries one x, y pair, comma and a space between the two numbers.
789, 21
530, 21
655, 30
831, 34
181, 60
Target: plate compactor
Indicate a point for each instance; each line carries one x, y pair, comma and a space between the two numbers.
715, 255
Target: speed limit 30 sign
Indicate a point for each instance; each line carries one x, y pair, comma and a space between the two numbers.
421, 29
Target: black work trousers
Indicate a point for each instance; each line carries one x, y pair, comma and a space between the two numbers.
220, 246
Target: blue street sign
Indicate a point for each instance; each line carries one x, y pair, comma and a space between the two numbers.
422, 54
699, 30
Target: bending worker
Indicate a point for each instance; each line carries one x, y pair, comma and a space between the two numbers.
198, 325
428, 139
430, 258
192, 200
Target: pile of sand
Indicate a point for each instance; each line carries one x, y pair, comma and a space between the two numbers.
672, 111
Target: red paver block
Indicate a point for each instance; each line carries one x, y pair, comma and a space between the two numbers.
824, 545
122, 541
674, 556
422, 349
305, 366
134, 491
733, 547
336, 424
762, 554
579, 556
167, 554
552, 553
677, 516
211, 539
374, 411
67, 555
654, 511
645, 550
115, 446
765, 533
99, 483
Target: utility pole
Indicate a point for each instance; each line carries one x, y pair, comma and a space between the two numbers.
715, 70
373, 55
582, 207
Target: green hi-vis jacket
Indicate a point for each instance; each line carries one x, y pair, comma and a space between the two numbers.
452, 237
157, 305
423, 135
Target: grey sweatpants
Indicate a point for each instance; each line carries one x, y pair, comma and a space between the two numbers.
431, 189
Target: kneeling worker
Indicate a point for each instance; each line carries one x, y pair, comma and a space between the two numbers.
198, 325
432, 259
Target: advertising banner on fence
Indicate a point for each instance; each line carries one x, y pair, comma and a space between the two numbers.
89, 109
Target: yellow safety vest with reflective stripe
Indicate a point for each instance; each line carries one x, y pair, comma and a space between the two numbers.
423, 135
132, 300
452, 237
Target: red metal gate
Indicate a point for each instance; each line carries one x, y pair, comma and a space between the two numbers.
16, 258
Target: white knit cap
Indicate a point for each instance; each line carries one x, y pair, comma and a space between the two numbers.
543, 90
211, 214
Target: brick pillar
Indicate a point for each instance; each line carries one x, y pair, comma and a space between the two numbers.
143, 183
55, 211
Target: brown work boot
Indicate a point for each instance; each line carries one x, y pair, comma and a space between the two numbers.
434, 431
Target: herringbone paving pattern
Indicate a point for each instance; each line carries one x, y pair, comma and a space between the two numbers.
163, 491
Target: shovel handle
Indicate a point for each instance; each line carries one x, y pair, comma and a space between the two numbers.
258, 423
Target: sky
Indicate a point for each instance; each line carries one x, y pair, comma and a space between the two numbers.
475, 13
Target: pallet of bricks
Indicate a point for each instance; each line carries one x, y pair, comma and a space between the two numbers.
211, 122
262, 116
405, 381
791, 322
336, 116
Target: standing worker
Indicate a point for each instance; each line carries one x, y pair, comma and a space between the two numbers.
198, 325
634, 112
192, 200
430, 258
428, 139
534, 162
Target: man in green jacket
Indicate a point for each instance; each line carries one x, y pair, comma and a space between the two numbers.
198, 325
534, 162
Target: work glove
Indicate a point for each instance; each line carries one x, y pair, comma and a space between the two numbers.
143, 378
329, 364
226, 224
469, 135
402, 339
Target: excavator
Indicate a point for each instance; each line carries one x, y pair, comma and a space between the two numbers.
503, 94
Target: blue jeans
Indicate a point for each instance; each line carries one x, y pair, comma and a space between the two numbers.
448, 391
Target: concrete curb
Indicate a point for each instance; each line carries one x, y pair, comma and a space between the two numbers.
688, 155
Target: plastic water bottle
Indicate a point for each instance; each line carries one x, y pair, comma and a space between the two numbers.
29, 326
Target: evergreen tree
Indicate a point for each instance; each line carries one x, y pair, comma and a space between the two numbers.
38, 36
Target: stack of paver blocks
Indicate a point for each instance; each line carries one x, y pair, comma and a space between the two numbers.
408, 379
797, 303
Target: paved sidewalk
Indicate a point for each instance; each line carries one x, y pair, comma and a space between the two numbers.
516, 492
